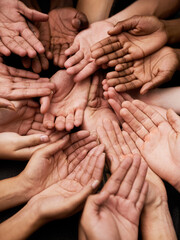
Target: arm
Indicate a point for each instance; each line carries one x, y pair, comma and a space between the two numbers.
95, 10
146, 7
154, 219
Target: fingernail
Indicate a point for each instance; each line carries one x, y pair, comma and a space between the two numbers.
95, 184
44, 138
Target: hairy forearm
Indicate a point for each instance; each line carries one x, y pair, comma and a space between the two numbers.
156, 223
146, 7
95, 10
13, 192
21, 225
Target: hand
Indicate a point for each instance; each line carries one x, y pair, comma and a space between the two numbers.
81, 63
68, 103
146, 73
16, 147
132, 39
97, 108
41, 61
65, 23
156, 138
73, 185
114, 212
14, 31
21, 120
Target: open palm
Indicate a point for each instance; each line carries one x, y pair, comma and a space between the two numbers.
147, 73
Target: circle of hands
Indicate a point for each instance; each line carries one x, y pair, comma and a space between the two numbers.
80, 118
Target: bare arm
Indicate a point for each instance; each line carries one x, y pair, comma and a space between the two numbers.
95, 10
146, 7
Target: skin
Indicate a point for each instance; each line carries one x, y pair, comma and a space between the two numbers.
146, 73
152, 133
97, 108
68, 103
47, 166
130, 40
65, 23
81, 64
114, 213
15, 34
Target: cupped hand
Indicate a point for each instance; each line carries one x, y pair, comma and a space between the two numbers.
97, 108
40, 61
146, 73
131, 39
14, 31
68, 103
81, 64
65, 23
16, 147
114, 212
156, 138
77, 178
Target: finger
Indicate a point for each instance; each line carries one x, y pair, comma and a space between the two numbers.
45, 104
142, 198
4, 50
129, 141
138, 183
28, 93
78, 118
62, 56
127, 183
137, 126
13, 46
48, 121
36, 65
56, 53
174, 120
32, 40
60, 123
116, 107
53, 148
22, 73
31, 140
72, 50
88, 70
155, 116
69, 122
44, 61
80, 21
31, 14
26, 62
24, 44
75, 59
4, 103
114, 182
96, 48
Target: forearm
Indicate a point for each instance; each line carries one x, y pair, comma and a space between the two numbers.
146, 7
162, 97
172, 30
156, 223
21, 225
13, 192
95, 10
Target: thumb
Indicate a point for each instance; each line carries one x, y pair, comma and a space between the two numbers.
31, 140
31, 14
173, 119
4, 103
80, 21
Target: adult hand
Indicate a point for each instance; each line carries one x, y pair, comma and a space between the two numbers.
156, 138
40, 61
131, 39
68, 103
97, 108
146, 73
114, 212
21, 120
67, 195
14, 31
65, 23
16, 147
81, 64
